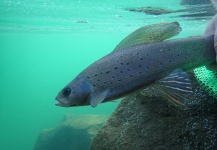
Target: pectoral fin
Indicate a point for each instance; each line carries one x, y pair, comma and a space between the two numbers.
97, 98
176, 88
150, 33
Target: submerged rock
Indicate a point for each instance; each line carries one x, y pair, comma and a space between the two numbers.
194, 2
81, 21
195, 10
150, 10
148, 122
74, 133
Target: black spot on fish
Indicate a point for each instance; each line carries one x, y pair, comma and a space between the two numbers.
107, 72
139, 65
98, 80
121, 71
94, 85
141, 58
147, 54
128, 69
98, 67
95, 75
127, 63
111, 82
140, 72
113, 76
161, 64
147, 67
131, 76
177, 54
104, 82
119, 80
170, 60
88, 77
116, 68
122, 63
100, 72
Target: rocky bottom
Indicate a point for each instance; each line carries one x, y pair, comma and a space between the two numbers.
148, 121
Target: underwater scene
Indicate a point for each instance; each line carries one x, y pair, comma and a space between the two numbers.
45, 44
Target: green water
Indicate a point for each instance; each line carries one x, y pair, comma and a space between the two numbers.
43, 47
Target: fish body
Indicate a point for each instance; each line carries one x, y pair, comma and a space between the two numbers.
135, 67
132, 68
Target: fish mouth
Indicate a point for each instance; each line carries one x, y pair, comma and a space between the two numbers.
64, 105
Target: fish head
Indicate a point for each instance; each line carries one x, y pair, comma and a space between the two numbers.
76, 93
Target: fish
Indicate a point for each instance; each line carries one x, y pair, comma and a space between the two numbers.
142, 59
211, 30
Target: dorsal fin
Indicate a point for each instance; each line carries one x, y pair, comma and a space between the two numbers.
150, 33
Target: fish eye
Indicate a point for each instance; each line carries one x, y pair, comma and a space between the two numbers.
66, 91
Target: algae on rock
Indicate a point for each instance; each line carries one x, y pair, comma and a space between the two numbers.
73, 133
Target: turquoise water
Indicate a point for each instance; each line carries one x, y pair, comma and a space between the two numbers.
45, 44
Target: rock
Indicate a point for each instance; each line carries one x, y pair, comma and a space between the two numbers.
197, 12
151, 123
192, 10
194, 2
150, 10
81, 21
74, 133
